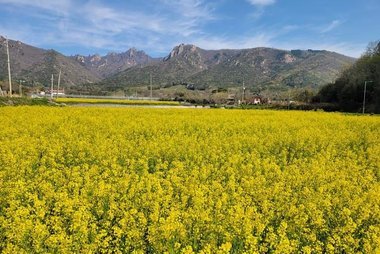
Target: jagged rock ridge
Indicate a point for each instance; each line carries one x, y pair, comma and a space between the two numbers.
227, 68
112, 63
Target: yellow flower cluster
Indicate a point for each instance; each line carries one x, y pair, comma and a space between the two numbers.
116, 101
135, 180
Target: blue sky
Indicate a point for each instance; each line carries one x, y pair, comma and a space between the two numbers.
156, 26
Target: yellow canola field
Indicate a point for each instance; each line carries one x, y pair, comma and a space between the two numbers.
135, 180
115, 101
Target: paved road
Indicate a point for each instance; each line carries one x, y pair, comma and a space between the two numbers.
108, 105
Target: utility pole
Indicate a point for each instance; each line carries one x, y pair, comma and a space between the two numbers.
52, 86
9, 70
59, 81
151, 92
243, 96
20, 88
365, 91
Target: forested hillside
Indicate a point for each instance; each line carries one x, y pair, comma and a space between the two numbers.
348, 90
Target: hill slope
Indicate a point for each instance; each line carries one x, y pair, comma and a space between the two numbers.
36, 65
227, 68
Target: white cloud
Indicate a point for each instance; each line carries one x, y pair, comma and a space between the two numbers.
258, 13
174, 18
97, 24
261, 2
272, 38
14, 34
104, 19
345, 48
348, 49
215, 42
189, 8
61, 6
334, 24
185, 17
157, 27
260, 7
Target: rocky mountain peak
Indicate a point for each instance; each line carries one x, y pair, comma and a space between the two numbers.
95, 58
131, 52
113, 62
181, 49
288, 58
80, 59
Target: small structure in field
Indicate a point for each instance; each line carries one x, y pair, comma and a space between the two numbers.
57, 92
255, 100
231, 99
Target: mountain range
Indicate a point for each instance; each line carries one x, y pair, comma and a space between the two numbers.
112, 63
185, 64
257, 67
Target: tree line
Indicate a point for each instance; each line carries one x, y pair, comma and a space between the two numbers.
347, 92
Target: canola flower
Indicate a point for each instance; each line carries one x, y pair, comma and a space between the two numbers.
115, 101
135, 180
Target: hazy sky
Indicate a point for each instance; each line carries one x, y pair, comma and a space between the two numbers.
156, 26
